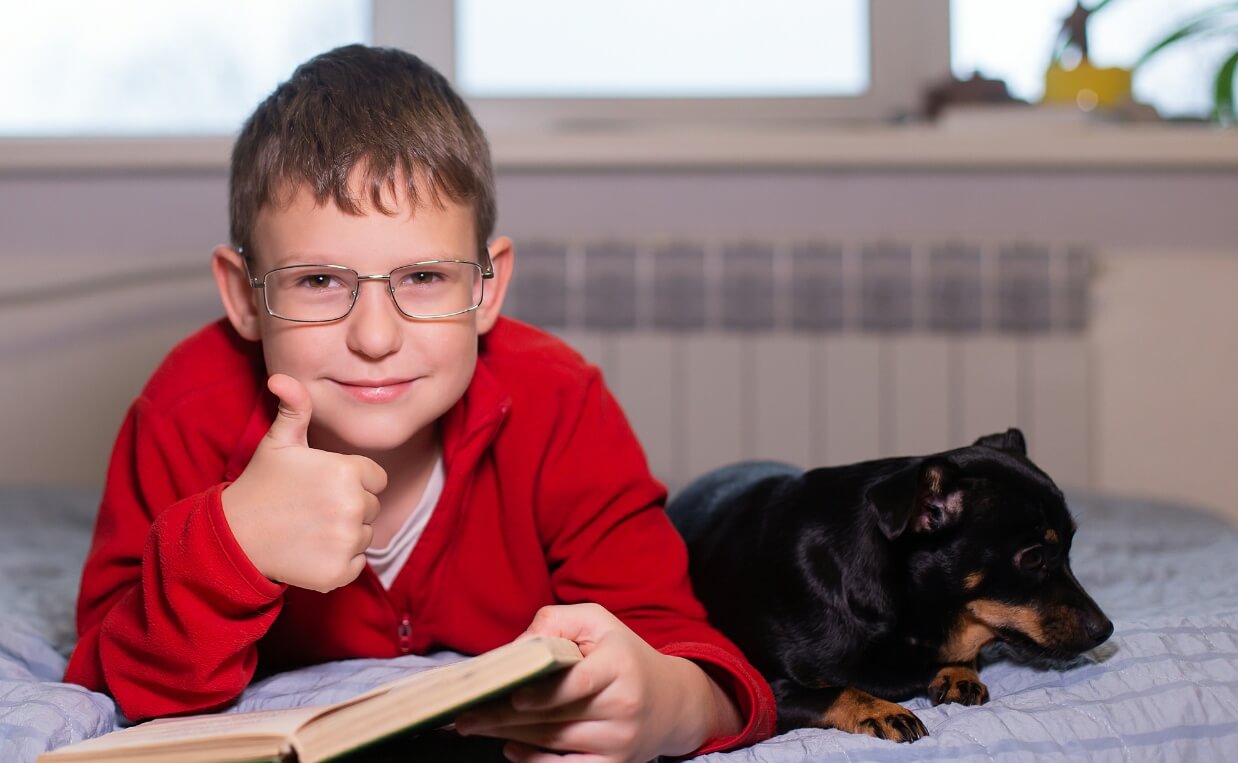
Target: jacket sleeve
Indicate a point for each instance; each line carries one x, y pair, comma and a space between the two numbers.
170, 608
610, 541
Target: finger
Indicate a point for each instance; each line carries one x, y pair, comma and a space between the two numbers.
371, 507
496, 719
580, 736
579, 682
583, 623
291, 425
373, 477
365, 539
519, 752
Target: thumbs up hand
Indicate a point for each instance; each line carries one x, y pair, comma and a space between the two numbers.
302, 515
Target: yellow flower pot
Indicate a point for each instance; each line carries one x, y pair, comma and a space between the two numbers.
1087, 86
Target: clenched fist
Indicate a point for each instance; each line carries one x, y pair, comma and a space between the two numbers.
303, 515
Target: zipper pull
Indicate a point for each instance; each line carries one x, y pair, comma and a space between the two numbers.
404, 634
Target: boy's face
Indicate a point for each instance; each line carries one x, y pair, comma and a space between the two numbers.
376, 378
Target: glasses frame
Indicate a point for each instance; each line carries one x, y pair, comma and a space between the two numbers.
486, 270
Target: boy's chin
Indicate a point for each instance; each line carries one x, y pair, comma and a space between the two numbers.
381, 438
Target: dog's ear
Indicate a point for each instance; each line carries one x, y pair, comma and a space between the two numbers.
1011, 440
921, 498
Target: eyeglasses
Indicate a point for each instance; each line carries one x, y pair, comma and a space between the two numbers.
423, 290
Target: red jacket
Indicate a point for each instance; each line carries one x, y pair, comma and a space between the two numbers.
547, 500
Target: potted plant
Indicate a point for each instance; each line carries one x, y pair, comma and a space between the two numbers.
1112, 85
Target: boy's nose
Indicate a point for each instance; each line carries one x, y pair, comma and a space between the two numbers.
374, 323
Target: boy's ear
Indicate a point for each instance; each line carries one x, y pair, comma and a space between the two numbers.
502, 256
239, 299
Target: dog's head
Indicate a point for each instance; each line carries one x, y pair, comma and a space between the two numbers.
987, 535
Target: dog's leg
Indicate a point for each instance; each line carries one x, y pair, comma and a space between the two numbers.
958, 682
845, 709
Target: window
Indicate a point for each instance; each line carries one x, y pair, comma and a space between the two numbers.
1013, 41
150, 67
737, 61
198, 67
656, 49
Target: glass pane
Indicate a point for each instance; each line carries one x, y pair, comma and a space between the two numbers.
150, 67
1013, 41
655, 48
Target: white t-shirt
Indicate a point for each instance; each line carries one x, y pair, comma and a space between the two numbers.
388, 562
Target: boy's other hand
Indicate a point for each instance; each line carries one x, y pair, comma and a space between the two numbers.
303, 515
625, 701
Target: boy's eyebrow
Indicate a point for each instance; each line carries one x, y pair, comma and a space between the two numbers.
310, 258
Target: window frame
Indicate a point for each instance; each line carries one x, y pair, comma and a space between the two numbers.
909, 48
836, 132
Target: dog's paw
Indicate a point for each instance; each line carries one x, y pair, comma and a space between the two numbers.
958, 683
858, 712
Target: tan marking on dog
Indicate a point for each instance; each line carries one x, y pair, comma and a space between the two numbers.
966, 638
853, 707
996, 614
951, 676
1051, 535
956, 673
973, 580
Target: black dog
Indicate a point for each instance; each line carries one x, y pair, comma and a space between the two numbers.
854, 587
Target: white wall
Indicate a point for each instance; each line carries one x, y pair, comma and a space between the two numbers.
1164, 416
1165, 354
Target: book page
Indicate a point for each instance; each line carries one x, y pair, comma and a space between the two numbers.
319, 732
273, 724
431, 697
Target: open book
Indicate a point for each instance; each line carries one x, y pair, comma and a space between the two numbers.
420, 701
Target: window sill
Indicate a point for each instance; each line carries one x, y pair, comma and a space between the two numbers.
921, 147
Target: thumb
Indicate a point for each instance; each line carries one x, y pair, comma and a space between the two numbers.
586, 624
291, 425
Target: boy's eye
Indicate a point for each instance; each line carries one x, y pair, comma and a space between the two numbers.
421, 278
319, 281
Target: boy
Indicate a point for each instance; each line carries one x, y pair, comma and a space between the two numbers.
350, 469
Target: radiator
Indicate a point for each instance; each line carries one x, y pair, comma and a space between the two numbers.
808, 352
819, 353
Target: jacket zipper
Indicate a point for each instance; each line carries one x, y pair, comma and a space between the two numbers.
404, 634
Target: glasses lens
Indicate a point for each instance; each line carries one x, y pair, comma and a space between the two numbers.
310, 292
437, 289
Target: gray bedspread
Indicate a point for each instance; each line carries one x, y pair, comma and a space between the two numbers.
1165, 687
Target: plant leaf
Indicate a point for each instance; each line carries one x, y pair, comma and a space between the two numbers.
1204, 21
1225, 112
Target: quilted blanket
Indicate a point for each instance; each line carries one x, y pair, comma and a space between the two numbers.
1165, 687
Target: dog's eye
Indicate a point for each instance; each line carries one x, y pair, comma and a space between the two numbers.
1030, 559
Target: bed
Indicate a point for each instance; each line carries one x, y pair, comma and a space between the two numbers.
1165, 687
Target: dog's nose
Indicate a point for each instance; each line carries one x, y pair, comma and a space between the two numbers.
1099, 629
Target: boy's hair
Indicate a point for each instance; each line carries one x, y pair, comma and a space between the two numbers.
380, 111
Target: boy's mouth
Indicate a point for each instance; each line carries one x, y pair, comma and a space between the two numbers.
376, 391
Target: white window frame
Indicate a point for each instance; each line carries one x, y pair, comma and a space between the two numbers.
909, 49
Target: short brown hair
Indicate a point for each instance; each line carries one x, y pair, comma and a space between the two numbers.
381, 110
